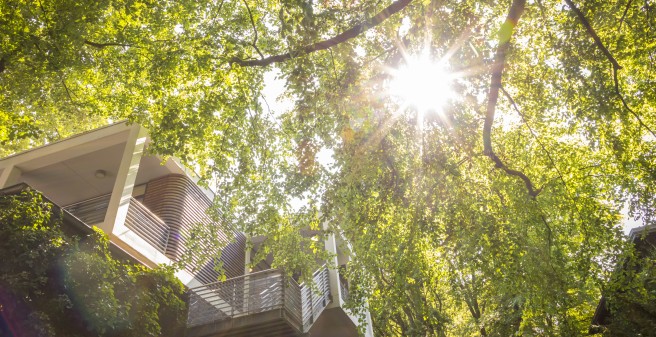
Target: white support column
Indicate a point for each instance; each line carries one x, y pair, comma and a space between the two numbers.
119, 202
333, 276
247, 271
369, 330
10, 176
247, 256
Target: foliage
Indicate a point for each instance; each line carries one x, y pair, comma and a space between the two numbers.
631, 295
55, 284
445, 240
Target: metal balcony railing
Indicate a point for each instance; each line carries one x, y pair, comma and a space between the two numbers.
343, 288
147, 225
139, 219
91, 211
315, 300
257, 293
171, 238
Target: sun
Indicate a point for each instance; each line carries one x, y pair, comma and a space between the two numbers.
422, 83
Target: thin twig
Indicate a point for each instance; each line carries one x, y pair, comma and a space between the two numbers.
616, 66
68, 92
534, 134
220, 7
332, 59
266, 103
254, 44
626, 106
351, 33
549, 234
626, 10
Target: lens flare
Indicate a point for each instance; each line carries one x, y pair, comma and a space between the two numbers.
422, 83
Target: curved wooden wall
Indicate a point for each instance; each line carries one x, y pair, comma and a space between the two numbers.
182, 206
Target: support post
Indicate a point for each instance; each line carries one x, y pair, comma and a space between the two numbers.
247, 271
119, 202
10, 176
333, 277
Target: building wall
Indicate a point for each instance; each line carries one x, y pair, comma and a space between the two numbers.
183, 206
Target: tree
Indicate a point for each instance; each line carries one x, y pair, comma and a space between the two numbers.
630, 294
55, 284
499, 214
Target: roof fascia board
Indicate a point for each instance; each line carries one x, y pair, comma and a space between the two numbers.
639, 231
48, 153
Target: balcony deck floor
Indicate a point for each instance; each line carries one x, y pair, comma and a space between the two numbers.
273, 323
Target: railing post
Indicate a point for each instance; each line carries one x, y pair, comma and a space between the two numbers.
232, 305
333, 278
247, 288
311, 306
283, 277
246, 298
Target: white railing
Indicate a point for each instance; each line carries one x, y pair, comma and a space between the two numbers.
315, 300
91, 211
139, 219
260, 292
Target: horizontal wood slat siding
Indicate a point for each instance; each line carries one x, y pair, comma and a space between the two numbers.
181, 205
147, 225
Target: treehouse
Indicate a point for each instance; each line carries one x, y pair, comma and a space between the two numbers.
151, 209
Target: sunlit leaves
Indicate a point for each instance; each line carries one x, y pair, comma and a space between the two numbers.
54, 284
435, 229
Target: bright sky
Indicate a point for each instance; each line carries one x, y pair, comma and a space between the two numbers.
628, 222
274, 88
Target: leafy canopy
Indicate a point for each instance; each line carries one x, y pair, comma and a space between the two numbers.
499, 214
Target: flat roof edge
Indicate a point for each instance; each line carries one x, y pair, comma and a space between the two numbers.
77, 135
638, 231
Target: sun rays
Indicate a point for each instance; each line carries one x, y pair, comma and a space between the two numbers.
422, 83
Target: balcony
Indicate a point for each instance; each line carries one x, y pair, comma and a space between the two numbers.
258, 304
91, 211
265, 303
343, 288
139, 219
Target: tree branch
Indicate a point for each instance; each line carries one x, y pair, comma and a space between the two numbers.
626, 106
626, 10
514, 13
250, 15
593, 34
353, 32
616, 66
534, 134
103, 45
